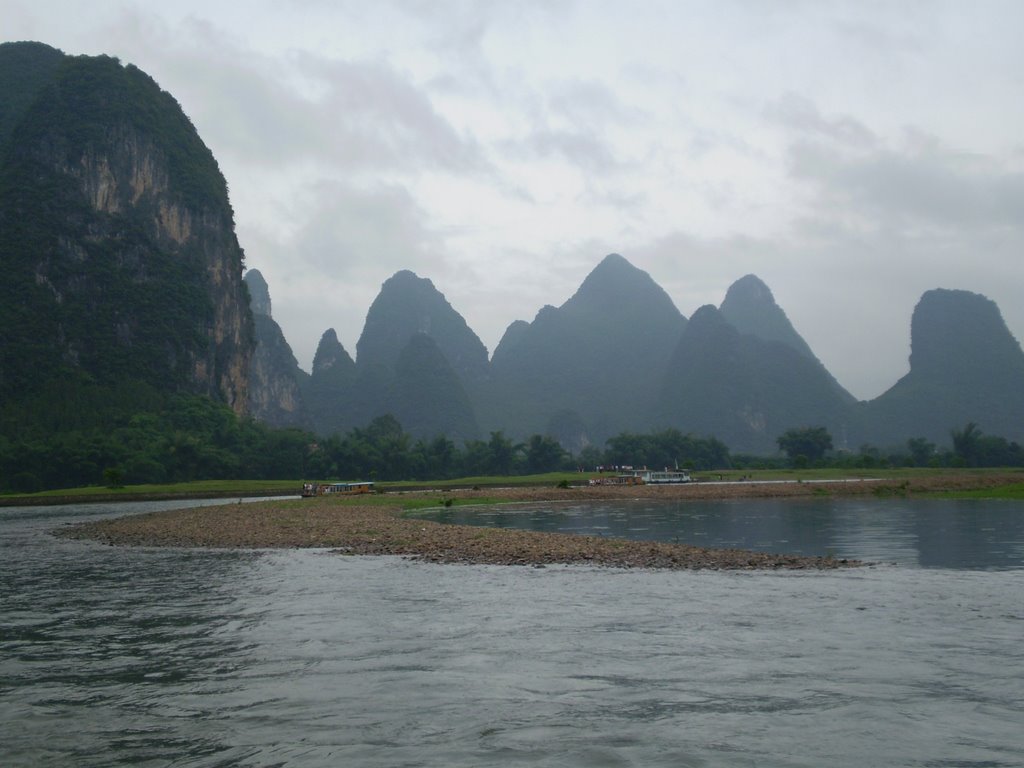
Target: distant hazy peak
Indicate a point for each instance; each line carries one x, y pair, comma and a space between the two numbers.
259, 293
330, 354
615, 282
750, 307
708, 313
614, 261
408, 304
611, 270
406, 277
706, 319
749, 288
955, 331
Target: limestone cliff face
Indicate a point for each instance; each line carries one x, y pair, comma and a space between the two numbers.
128, 178
259, 293
275, 379
121, 238
275, 389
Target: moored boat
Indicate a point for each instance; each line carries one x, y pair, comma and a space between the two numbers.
331, 489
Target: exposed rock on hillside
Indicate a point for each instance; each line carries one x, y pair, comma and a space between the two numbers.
117, 238
259, 293
275, 379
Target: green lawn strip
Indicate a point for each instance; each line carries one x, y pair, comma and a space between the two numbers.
493, 481
1013, 492
195, 489
243, 488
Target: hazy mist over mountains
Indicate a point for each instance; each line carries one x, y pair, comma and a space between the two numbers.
851, 155
123, 282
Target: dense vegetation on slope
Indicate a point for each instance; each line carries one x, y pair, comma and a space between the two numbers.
162, 439
120, 264
25, 69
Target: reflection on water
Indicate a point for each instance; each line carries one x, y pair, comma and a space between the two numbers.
152, 657
929, 533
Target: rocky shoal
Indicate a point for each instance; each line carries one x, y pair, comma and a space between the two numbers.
379, 528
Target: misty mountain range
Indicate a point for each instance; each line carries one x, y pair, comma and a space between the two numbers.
618, 356
123, 282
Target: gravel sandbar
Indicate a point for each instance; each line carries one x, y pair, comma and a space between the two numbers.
379, 529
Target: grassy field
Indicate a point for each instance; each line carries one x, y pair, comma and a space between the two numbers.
247, 488
1013, 492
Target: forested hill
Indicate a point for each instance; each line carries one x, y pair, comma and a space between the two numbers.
122, 272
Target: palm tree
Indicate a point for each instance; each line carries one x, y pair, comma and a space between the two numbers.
965, 443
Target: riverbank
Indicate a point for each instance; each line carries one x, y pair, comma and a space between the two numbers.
355, 527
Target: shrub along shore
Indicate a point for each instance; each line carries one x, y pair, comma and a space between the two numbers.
383, 525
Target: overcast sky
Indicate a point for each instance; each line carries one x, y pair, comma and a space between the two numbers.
851, 154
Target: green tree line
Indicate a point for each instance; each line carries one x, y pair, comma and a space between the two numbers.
194, 438
970, 447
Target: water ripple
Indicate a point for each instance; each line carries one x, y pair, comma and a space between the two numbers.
178, 658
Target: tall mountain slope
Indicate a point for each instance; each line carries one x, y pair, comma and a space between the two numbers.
427, 397
275, 379
745, 390
965, 366
328, 390
750, 307
600, 356
408, 305
116, 235
25, 69
259, 293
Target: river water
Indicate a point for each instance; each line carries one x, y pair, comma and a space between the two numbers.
154, 657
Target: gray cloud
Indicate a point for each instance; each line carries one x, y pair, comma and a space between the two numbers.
587, 104
345, 229
798, 113
305, 107
581, 149
570, 120
924, 183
